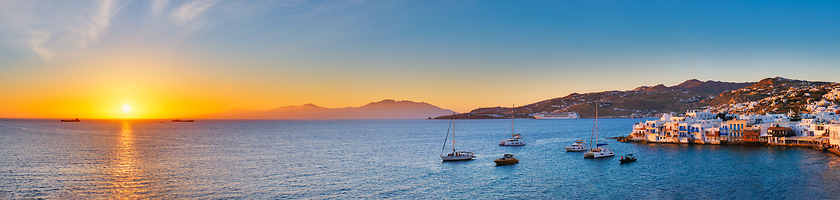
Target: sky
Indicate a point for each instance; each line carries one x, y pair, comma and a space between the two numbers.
165, 59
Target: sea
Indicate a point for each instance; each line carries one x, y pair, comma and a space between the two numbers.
386, 159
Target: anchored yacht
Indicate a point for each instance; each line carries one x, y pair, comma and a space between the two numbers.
579, 145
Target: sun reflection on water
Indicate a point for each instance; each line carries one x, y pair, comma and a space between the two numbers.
125, 181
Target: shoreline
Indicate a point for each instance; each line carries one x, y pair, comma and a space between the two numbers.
741, 143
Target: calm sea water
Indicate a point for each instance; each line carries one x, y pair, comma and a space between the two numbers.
211, 159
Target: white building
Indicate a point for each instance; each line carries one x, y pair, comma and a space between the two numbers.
834, 134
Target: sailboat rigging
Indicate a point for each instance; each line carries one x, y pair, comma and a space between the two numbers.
454, 155
515, 139
600, 150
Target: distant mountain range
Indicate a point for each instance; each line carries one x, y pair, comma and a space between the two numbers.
770, 95
385, 109
648, 101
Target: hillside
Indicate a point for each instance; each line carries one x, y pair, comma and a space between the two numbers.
648, 101
773, 95
385, 109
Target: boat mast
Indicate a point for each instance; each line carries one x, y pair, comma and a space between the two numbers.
453, 132
596, 124
446, 139
511, 119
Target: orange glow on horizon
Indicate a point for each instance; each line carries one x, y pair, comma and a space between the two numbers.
148, 86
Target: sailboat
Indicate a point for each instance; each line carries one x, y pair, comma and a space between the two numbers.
600, 150
515, 139
454, 155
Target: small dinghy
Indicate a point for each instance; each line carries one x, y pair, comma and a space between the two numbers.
628, 158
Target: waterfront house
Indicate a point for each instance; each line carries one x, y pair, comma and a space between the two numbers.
698, 131
736, 128
819, 129
803, 127
765, 133
639, 132
670, 132
834, 135
654, 129
778, 131
712, 135
751, 134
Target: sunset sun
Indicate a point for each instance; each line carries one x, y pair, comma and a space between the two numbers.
126, 108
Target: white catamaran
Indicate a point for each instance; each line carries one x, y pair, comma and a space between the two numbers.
454, 155
600, 150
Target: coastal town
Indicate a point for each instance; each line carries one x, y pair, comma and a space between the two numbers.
773, 111
770, 95
817, 125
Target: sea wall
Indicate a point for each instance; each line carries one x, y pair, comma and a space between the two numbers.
835, 151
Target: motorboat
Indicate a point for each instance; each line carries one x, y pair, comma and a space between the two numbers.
514, 140
507, 159
579, 145
628, 158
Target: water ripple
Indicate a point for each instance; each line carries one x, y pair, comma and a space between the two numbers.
383, 159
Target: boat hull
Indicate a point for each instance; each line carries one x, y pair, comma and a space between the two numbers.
456, 158
599, 154
567, 115
579, 145
512, 142
574, 148
627, 160
506, 161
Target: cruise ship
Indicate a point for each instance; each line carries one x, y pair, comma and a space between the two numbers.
561, 115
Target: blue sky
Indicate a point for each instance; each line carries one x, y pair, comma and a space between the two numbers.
455, 54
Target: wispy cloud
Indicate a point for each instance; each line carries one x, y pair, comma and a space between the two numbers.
49, 29
97, 23
158, 6
188, 12
36, 43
